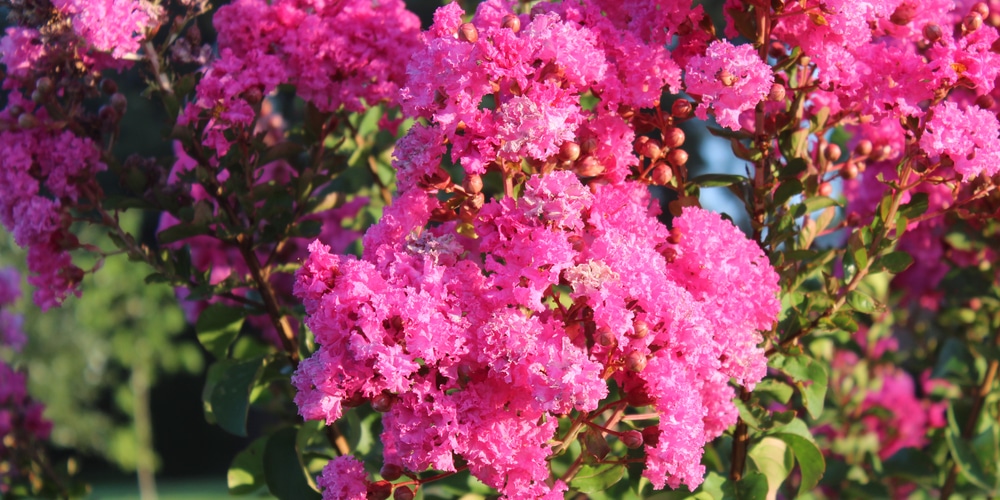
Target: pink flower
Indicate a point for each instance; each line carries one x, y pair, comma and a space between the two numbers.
344, 478
730, 79
970, 137
114, 26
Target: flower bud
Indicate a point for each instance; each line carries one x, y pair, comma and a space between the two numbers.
932, 32
44, 85
588, 166
15, 110
662, 174
606, 337
402, 493
379, 490
632, 439
777, 92
569, 151
635, 361
669, 254
677, 157
27, 120
37, 96
832, 152
511, 22
777, 50
675, 235
849, 171
825, 189
253, 95
640, 329
383, 402
108, 86
880, 153
985, 101
107, 115
681, 109
391, 472
972, 22
473, 184
864, 148
354, 400
650, 148
673, 137
467, 32
980, 8
903, 14
119, 103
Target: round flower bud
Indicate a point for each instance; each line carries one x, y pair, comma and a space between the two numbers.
107, 115
932, 32
640, 329
467, 32
662, 174
849, 171
511, 22
27, 120
832, 152
777, 50
379, 490
606, 337
777, 92
354, 400
677, 157
864, 148
681, 109
880, 153
588, 166
825, 189
635, 361
985, 101
108, 86
675, 235
981, 8
673, 137
650, 148
44, 85
972, 22
669, 254
569, 151
383, 402
632, 439
118, 102
37, 96
253, 95
402, 493
473, 184
391, 472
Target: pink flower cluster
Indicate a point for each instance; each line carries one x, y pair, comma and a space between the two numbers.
730, 80
503, 88
472, 345
21, 420
893, 60
46, 171
344, 53
86, 35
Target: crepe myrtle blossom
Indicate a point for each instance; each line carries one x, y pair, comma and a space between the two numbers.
469, 348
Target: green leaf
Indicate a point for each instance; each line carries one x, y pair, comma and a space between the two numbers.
246, 473
773, 458
819, 202
284, 471
961, 451
910, 464
230, 399
786, 190
861, 302
752, 486
594, 478
916, 207
217, 327
896, 262
809, 457
810, 378
717, 180
776, 389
